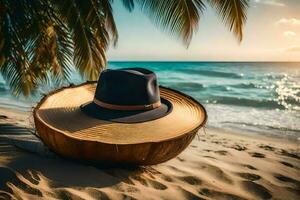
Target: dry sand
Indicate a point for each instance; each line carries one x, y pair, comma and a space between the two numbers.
217, 165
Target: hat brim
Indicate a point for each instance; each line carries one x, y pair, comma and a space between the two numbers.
60, 111
122, 116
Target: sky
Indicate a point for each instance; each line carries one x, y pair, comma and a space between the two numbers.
271, 33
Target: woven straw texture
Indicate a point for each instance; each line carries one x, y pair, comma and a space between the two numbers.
69, 132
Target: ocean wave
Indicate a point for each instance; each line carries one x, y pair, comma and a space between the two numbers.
255, 103
222, 88
244, 86
212, 73
229, 87
3, 87
187, 86
193, 86
16, 106
263, 126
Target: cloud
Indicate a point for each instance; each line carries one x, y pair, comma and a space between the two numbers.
270, 2
291, 21
289, 34
293, 49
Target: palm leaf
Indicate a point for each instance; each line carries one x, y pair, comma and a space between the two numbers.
91, 24
178, 17
109, 19
233, 14
32, 48
16, 67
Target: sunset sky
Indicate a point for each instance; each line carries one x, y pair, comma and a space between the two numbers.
272, 33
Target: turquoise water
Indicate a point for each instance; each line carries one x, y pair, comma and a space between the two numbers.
260, 97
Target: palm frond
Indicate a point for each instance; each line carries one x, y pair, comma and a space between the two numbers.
16, 67
64, 51
41, 39
89, 36
178, 17
233, 14
32, 48
109, 19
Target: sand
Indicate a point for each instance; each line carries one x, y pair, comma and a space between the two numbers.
217, 165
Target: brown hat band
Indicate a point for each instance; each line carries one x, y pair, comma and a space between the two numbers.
127, 107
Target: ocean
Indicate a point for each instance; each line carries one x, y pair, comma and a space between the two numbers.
263, 98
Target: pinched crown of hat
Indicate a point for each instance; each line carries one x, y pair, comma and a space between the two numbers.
129, 95
127, 89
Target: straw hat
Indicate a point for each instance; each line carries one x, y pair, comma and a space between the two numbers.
124, 118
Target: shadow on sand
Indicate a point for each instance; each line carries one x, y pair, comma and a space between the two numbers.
28, 170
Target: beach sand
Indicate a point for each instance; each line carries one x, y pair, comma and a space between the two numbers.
217, 165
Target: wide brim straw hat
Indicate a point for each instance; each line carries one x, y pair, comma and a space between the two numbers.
67, 130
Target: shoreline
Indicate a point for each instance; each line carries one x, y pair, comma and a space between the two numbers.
257, 135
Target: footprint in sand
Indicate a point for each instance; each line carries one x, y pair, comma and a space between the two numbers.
151, 183
140, 180
158, 185
258, 191
127, 197
213, 194
167, 178
256, 154
267, 147
221, 152
287, 180
191, 180
218, 173
216, 142
180, 159
95, 193
126, 188
238, 147
249, 176
132, 189
290, 154
249, 167
65, 194
128, 181
287, 164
